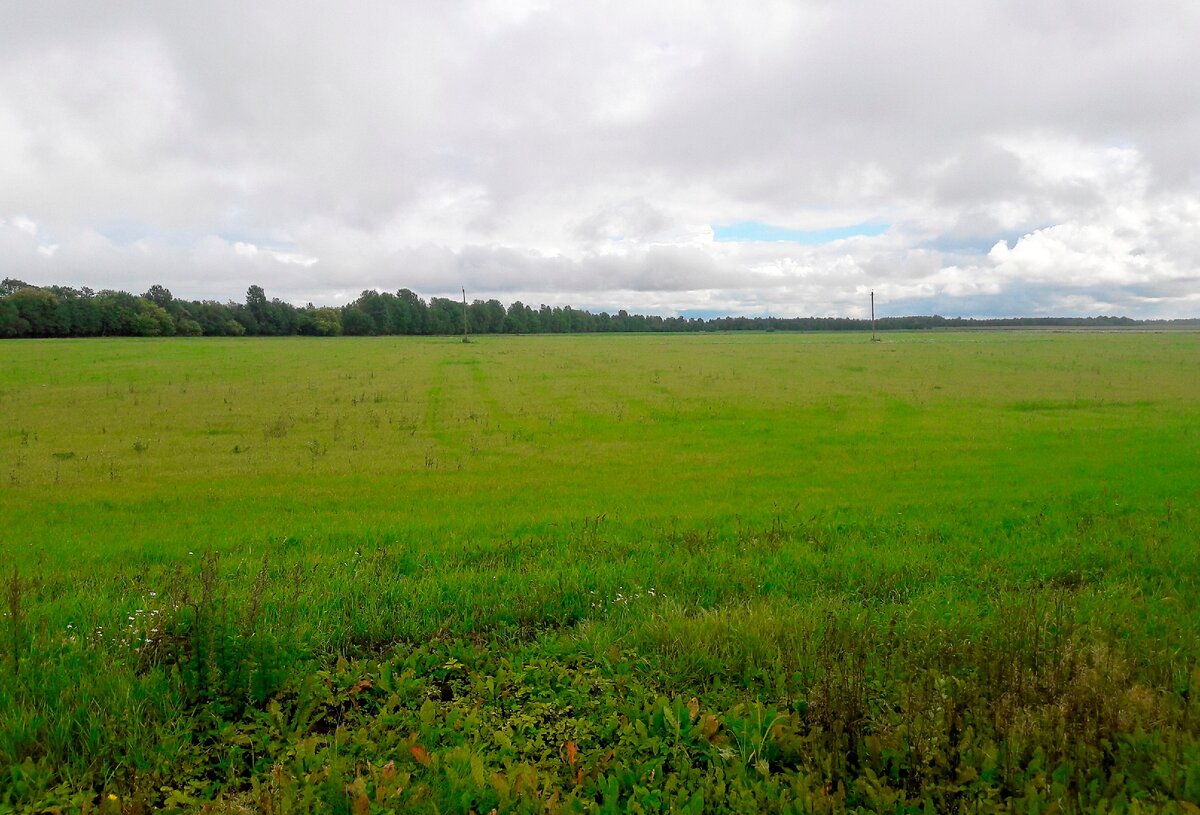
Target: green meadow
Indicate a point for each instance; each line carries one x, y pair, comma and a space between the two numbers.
602, 573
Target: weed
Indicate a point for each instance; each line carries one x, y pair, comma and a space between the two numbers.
753, 734
278, 427
837, 701
16, 618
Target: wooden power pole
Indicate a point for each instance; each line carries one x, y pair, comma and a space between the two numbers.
464, 291
873, 339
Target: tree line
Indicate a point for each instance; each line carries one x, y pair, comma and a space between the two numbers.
60, 311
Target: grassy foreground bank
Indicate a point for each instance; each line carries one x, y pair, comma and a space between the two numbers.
615, 573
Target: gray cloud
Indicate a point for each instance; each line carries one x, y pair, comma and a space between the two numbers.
1025, 156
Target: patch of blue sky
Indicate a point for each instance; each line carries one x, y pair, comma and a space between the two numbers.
966, 244
704, 313
758, 232
126, 232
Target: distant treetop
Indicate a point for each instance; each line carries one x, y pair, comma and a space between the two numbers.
59, 311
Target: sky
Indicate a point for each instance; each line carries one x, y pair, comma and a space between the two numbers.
984, 158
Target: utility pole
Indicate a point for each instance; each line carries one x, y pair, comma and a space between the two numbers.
873, 338
464, 291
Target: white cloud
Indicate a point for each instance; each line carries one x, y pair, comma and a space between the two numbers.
23, 224
1026, 156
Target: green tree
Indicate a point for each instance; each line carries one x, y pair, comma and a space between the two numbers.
375, 306
159, 295
320, 322
213, 317
188, 327
329, 321
445, 316
412, 315
85, 316
486, 317
357, 323
516, 319
256, 300
10, 285
46, 315
11, 322
150, 320
245, 317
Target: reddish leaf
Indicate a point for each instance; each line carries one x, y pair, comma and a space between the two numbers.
421, 755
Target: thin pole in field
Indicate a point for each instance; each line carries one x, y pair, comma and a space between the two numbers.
873, 317
464, 291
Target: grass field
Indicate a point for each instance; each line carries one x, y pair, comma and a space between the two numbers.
810, 573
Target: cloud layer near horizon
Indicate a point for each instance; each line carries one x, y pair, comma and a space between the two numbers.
1024, 159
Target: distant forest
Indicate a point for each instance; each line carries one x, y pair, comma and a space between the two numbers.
60, 311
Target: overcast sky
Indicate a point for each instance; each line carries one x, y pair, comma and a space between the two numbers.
1006, 157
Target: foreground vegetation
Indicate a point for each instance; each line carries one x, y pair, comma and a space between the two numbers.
690, 573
